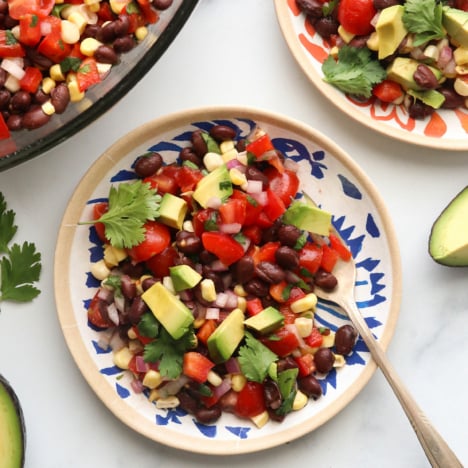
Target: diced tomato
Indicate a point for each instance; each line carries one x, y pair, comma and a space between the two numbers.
266, 252
30, 29
310, 257
227, 249
18, 8
4, 130
105, 13
275, 206
329, 258
160, 263
337, 244
196, 366
253, 209
254, 306
187, 178
98, 210
148, 13
53, 47
164, 181
157, 238
305, 364
315, 339
142, 339
387, 91
260, 146
284, 292
31, 80
87, 74
250, 400
205, 331
233, 211
356, 15
264, 221
289, 315
96, 315
9, 46
254, 233
282, 343
461, 4
285, 184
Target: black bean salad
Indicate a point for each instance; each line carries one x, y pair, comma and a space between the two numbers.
207, 280
412, 52
51, 52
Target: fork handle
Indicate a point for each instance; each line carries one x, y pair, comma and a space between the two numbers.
437, 451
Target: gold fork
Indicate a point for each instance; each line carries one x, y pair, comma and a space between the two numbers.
437, 451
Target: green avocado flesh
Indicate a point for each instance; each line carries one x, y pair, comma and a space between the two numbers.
448, 241
12, 429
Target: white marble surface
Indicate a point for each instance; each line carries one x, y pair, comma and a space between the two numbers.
232, 52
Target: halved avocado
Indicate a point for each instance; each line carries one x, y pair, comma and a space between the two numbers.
448, 241
12, 428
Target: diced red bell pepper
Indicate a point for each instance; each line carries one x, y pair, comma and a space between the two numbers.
282, 343
9, 45
252, 208
254, 233
254, 306
88, 74
329, 258
31, 80
266, 252
310, 257
260, 146
30, 29
226, 248
250, 400
196, 366
53, 47
4, 130
233, 211
305, 364
201, 218
275, 206
337, 244
205, 331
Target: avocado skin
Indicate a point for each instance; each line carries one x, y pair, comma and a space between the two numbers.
448, 240
9, 397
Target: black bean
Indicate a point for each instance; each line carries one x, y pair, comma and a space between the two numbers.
256, 287
208, 415
3, 77
206, 257
222, 133
128, 287
289, 234
345, 338
425, 77
244, 269
39, 60
147, 283
452, 99
20, 101
106, 54
188, 154
162, 4
286, 363
105, 34
253, 173
324, 360
148, 164
312, 8
326, 26
40, 97
15, 122
187, 402
137, 308
286, 257
199, 144
381, 4
35, 118
272, 394
188, 242
60, 98
419, 110
228, 401
310, 386
269, 272
325, 280
121, 26
215, 277
123, 44
5, 97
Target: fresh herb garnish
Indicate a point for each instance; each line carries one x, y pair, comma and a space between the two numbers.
20, 265
131, 205
255, 359
424, 19
355, 72
148, 325
287, 386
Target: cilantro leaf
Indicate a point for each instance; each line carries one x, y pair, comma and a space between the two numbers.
18, 271
131, 205
169, 352
355, 72
287, 385
7, 225
424, 19
148, 325
255, 359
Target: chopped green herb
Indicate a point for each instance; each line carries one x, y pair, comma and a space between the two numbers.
148, 325
70, 64
424, 19
7, 225
211, 143
287, 386
255, 359
114, 282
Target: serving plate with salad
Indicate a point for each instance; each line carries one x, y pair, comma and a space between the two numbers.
360, 72
135, 299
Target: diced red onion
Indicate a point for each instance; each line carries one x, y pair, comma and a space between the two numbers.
374, 19
172, 387
214, 202
106, 294
232, 366
235, 163
450, 68
119, 302
261, 198
221, 389
254, 186
137, 386
212, 313
116, 342
45, 27
232, 299
140, 364
292, 328
221, 299
445, 56
186, 295
14, 67
230, 228
218, 265
113, 313
291, 165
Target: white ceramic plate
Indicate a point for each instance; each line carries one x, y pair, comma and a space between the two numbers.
336, 183
445, 129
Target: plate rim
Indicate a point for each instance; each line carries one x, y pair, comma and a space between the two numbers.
64, 306
331, 93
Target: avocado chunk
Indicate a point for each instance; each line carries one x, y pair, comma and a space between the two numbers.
390, 30
308, 217
226, 338
431, 97
456, 24
172, 210
402, 71
169, 310
184, 277
12, 428
266, 321
216, 185
448, 241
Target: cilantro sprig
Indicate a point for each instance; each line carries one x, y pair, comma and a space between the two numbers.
255, 359
424, 19
355, 72
20, 265
131, 205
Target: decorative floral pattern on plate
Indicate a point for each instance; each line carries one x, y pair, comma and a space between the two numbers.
335, 184
447, 129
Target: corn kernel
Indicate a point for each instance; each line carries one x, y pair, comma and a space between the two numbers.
122, 357
99, 270
131, 334
345, 35
78, 20
260, 419
309, 301
304, 326
152, 379
339, 361
240, 291
461, 87
70, 32
237, 177
198, 322
238, 382
168, 402
141, 33
300, 400
114, 255
118, 5
75, 94
329, 340
460, 55
48, 108
229, 155
188, 226
168, 284
208, 290
55, 72
226, 146
93, 5
242, 303
89, 45
432, 52
47, 85
212, 161
334, 52
12, 84
214, 379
